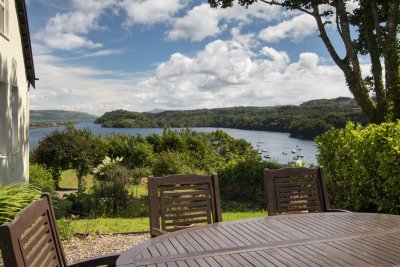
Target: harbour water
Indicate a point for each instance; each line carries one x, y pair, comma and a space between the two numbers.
274, 145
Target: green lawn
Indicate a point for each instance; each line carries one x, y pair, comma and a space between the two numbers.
117, 225
69, 180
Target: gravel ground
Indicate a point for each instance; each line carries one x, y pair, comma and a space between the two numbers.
77, 248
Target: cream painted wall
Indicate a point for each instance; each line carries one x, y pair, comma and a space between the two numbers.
14, 161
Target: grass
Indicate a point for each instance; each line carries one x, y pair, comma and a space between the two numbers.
119, 225
69, 180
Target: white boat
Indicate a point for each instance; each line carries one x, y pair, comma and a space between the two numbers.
267, 156
284, 153
294, 151
264, 150
298, 161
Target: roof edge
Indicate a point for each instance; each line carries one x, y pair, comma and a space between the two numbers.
26, 41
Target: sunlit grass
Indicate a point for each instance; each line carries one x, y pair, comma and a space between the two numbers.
141, 224
111, 225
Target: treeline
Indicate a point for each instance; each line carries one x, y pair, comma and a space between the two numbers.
304, 121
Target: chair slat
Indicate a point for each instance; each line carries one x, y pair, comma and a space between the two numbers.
183, 199
47, 248
34, 248
33, 228
295, 189
32, 239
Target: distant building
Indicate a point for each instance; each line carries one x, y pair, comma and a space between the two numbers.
17, 75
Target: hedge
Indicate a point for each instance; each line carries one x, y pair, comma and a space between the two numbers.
362, 165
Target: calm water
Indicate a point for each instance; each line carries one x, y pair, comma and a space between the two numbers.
271, 143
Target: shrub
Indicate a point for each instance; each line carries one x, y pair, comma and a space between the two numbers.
41, 178
65, 229
245, 179
111, 188
170, 163
362, 165
14, 197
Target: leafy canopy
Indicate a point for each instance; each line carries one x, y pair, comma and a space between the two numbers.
376, 24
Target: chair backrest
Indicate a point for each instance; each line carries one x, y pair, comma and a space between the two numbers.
32, 238
295, 190
183, 199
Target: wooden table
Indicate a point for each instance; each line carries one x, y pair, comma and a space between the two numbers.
318, 239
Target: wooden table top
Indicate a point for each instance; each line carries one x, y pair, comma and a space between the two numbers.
318, 239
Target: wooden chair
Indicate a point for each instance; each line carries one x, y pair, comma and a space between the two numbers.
32, 240
183, 200
296, 190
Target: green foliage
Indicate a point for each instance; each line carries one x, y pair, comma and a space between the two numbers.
65, 228
300, 121
72, 148
369, 29
135, 151
62, 207
111, 188
244, 179
170, 163
14, 197
41, 178
362, 165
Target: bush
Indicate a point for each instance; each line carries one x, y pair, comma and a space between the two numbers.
245, 179
65, 229
170, 163
362, 165
111, 187
41, 178
14, 197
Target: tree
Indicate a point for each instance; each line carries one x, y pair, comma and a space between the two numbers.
72, 148
377, 27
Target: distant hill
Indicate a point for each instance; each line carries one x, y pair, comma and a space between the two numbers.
59, 115
304, 121
156, 110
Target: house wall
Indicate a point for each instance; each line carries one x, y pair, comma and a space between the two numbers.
14, 122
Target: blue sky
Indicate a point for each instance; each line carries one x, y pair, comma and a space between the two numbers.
100, 55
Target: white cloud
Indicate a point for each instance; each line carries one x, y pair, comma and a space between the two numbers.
199, 23
203, 21
224, 73
68, 31
295, 29
148, 12
104, 52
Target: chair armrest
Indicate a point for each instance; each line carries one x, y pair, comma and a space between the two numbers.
157, 232
337, 210
108, 260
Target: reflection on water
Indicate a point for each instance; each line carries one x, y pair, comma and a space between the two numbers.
278, 146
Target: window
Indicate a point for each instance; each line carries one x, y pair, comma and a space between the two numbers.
14, 120
3, 109
3, 16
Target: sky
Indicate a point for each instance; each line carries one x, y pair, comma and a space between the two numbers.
96, 56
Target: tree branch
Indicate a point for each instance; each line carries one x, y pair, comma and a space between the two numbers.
344, 25
325, 38
338, 25
374, 12
375, 56
392, 58
282, 5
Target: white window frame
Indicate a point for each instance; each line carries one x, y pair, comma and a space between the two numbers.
15, 120
3, 6
3, 109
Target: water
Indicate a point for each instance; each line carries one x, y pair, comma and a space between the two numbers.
273, 144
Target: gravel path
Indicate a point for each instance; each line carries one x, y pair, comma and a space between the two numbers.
77, 249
